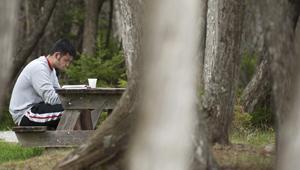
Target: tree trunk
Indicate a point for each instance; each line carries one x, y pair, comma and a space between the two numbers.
8, 13
253, 40
222, 65
204, 159
126, 20
280, 20
92, 8
202, 41
110, 23
258, 87
167, 39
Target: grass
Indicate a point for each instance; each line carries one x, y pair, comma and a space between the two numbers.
12, 152
246, 151
255, 137
46, 161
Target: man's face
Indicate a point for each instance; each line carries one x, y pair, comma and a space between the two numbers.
62, 61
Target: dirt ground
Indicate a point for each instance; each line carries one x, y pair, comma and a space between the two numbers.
243, 157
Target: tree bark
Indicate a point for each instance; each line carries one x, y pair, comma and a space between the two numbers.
167, 38
253, 40
8, 12
222, 65
29, 44
202, 41
258, 87
110, 23
204, 159
280, 21
126, 21
92, 8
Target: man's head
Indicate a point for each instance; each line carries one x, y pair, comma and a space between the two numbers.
61, 54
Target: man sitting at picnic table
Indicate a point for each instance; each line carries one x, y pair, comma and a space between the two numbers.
34, 101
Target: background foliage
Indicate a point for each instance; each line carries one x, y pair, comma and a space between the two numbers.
107, 66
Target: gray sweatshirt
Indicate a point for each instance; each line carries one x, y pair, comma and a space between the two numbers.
36, 83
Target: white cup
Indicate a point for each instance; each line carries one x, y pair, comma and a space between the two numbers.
92, 82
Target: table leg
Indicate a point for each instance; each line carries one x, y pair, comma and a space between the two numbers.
86, 120
95, 114
68, 120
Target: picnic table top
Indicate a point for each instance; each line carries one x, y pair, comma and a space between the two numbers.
91, 91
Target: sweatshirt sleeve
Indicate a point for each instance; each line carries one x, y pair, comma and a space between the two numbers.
41, 82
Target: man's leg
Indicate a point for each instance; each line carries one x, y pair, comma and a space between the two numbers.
43, 115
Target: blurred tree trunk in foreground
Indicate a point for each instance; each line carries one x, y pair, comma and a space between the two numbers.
169, 89
8, 19
222, 61
281, 22
107, 147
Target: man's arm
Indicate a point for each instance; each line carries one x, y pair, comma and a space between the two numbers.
42, 84
56, 84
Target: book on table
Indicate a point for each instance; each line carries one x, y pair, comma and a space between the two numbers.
78, 86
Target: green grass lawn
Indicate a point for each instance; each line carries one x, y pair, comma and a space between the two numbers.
254, 137
13, 152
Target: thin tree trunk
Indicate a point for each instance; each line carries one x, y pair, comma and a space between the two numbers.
126, 21
90, 26
202, 42
222, 65
8, 13
110, 22
258, 87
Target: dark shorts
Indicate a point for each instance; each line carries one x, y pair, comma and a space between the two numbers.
43, 114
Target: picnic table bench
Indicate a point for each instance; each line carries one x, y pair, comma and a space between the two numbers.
86, 104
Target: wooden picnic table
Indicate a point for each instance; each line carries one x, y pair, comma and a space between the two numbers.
90, 102
86, 101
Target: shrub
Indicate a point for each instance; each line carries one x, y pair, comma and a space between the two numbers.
262, 118
108, 66
241, 120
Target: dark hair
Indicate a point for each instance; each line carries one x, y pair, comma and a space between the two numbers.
63, 46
